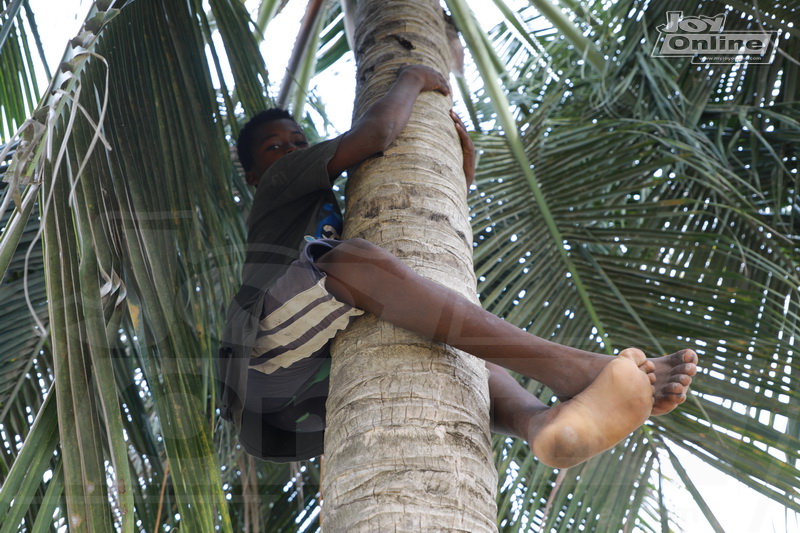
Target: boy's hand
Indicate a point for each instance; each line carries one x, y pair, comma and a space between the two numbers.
431, 79
380, 125
467, 148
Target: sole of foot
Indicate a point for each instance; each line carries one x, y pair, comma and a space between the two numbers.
618, 401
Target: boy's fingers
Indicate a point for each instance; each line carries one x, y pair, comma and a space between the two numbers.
433, 80
445, 84
460, 126
457, 119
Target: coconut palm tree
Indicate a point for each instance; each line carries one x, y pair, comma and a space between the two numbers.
391, 463
622, 199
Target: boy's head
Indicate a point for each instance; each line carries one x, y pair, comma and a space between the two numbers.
267, 137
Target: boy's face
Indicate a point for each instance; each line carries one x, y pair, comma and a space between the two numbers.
273, 140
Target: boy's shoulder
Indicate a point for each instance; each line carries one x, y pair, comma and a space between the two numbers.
296, 174
308, 158
308, 164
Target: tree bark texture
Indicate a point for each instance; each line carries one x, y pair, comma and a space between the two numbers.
408, 445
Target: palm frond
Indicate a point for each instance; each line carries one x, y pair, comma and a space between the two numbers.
18, 67
143, 259
671, 186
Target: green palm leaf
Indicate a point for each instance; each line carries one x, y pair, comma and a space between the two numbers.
673, 233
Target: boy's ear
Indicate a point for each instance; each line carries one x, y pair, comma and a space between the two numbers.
251, 178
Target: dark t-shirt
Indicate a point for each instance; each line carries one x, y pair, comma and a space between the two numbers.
294, 199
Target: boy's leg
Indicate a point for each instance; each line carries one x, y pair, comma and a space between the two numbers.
368, 277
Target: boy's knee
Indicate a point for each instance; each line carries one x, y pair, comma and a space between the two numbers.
355, 251
357, 255
363, 246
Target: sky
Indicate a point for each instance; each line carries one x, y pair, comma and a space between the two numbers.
738, 508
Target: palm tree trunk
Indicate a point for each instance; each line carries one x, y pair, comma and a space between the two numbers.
408, 444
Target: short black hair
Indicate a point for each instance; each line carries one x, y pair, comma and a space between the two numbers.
244, 144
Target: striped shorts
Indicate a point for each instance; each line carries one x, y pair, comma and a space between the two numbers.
283, 418
298, 321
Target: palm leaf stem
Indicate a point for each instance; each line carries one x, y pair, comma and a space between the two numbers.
584, 252
37, 39
245, 60
26, 473
573, 34
664, 515
223, 89
15, 228
22, 377
334, 44
306, 69
53, 498
302, 48
100, 354
520, 31
64, 87
10, 13
266, 12
692, 488
81, 438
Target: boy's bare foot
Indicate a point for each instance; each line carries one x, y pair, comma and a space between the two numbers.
670, 374
618, 401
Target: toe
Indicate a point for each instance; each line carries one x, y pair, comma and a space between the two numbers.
686, 369
680, 357
667, 403
687, 356
677, 396
676, 358
634, 354
673, 388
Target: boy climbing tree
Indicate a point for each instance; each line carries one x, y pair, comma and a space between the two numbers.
302, 284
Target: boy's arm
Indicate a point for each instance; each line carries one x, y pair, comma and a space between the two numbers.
386, 118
